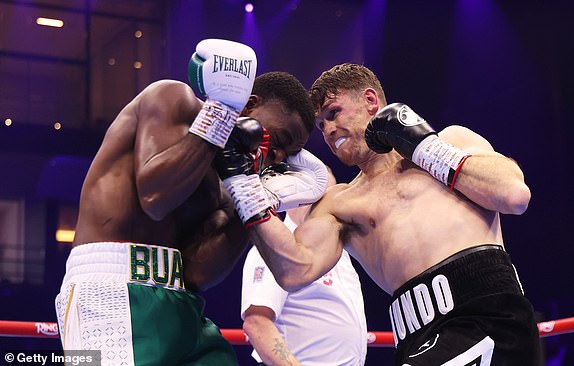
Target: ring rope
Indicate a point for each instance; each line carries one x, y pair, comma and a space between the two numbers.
12, 328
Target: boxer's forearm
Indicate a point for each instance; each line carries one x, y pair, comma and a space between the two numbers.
171, 176
298, 259
287, 260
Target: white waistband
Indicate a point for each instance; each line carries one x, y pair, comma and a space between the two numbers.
127, 263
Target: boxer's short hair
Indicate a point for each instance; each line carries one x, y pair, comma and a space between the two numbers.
286, 88
345, 76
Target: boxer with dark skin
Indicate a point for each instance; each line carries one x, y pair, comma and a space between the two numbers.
153, 182
155, 223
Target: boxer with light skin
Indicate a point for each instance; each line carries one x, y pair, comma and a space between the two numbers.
155, 223
423, 219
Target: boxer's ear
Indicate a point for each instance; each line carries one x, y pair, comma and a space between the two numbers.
372, 100
252, 103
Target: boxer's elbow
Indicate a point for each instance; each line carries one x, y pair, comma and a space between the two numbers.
158, 204
151, 206
290, 286
517, 199
292, 282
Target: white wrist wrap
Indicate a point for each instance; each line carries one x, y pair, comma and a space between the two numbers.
249, 196
439, 158
214, 122
272, 198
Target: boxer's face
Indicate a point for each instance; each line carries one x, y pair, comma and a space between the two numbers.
342, 119
286, 129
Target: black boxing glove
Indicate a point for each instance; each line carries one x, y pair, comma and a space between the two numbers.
398, 126
237, 156
238, 165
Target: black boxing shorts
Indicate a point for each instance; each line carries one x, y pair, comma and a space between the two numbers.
468, 310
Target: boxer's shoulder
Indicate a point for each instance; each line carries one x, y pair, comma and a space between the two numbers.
171, 98
166, 91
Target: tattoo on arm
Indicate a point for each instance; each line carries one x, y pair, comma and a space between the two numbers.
280, 349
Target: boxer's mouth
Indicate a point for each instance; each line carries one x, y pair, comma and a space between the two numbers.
340, 141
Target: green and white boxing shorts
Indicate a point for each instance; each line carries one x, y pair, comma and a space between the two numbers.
129, 301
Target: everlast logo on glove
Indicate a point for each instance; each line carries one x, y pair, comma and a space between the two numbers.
222, 63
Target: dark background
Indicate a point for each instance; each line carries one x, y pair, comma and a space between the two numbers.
501, 68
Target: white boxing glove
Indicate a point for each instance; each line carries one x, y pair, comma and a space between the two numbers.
303, 182
224, 72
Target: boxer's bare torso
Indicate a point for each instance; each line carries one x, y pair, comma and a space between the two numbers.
152, 182
397, 222
395, 218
